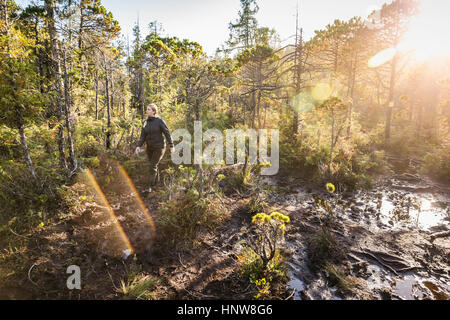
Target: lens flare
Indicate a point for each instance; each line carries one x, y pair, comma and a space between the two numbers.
93, 182
321, 91
382, 57
302, 102
137, 198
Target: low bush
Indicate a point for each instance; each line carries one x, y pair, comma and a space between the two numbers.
180, 219
338, 278
354, 160
138, 286
322, 249
323, 246
437, 164
264, 281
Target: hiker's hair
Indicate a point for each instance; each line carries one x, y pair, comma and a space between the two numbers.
154, 108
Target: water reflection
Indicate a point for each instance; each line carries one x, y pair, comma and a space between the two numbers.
412, 210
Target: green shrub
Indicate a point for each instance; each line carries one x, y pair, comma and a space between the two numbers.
89, 137
92, 162
323, 248
235, 180
255, 204
353, 158
437, 164
337, 277
181, 218
263, 280
138, 287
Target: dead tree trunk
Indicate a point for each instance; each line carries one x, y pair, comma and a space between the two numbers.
96, 94
108, 111
298, 60
352, 80
56, 75
73, 160
23, 142
390, 103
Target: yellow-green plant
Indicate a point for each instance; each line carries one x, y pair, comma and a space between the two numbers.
323, 245
263, 288
327, 219
269, 232
255, 204
264, 280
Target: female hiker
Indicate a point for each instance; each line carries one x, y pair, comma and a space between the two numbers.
152, 133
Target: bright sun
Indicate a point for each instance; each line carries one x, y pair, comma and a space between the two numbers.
428, 34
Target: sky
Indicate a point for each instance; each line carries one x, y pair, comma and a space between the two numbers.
206, 21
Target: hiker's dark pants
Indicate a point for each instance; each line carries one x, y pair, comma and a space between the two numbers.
155, 154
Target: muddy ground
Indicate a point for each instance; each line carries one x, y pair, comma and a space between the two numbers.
392, 237
395, 248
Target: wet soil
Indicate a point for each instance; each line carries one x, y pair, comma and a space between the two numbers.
388, 233
92, 239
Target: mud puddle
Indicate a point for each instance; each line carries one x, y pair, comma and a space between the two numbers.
393, 206
389, 209
413, 288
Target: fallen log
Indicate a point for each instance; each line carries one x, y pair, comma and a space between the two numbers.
443, 234
414, 189
387, 260
408, 177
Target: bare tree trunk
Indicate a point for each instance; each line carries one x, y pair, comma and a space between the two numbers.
298, 59
141, 92
96, 94
132, 131
253, 108
419, 119
26, 152
245, 110
56, 74
352, 93
197, 109
73, 160
108, 111
265, 117
332, 143
390, 103
60, 140
112, 94
258, 103
80, 33
189, 103
200, 168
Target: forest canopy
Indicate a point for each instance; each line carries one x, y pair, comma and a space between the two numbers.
358, 90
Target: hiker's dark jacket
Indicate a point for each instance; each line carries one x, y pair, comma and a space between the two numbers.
152, 133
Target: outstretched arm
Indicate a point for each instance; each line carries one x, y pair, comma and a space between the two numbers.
167, 133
